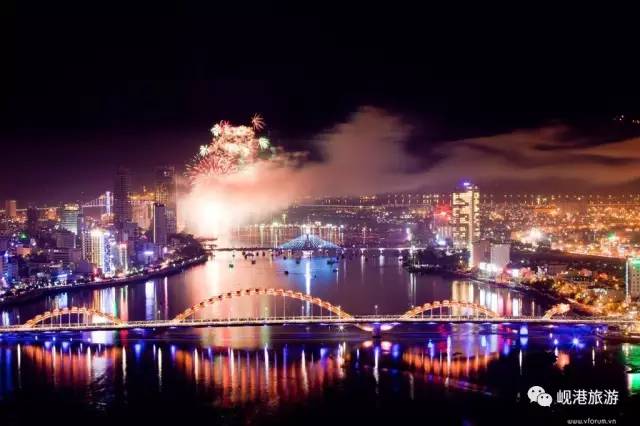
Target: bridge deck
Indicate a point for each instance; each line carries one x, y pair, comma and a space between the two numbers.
305, 320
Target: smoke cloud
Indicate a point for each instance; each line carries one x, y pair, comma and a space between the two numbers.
545, 153
363, 155
367, 155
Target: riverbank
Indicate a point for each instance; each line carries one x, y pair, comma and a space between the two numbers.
172, 269
575, 306
553, 298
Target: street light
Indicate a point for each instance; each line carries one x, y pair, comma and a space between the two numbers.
376, 309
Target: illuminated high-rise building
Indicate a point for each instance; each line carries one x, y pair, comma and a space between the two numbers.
81, 227
121, 257
108, 200
142, 209
100, 243
85, 243
632, 277
166, 193
80, 224
122, 198
159, 224
11, 209
69, 217
9, 271
465, 211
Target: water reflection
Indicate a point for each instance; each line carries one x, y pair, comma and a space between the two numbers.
270, 373
378, 281
505, 303
276, 366
631, 358
229, 376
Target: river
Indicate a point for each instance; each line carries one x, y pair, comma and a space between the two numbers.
475, 374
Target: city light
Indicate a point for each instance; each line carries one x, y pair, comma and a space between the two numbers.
448, 242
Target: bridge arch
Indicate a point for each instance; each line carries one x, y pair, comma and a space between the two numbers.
262, 292
86, 313
478, 310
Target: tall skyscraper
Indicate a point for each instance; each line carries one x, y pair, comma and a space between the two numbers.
85, 243
159, 224
166, 193
122, 198
32, 219
81, 227
69, 217
465, 206
9, 271
80, 224
11, 209
100, 243
120, 254
108, 199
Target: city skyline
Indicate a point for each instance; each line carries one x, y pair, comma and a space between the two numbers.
268, 216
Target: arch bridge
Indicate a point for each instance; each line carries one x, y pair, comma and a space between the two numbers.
461, 308
262, 292
89, 319
82, 316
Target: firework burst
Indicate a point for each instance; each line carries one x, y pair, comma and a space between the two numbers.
257, 122
231, 149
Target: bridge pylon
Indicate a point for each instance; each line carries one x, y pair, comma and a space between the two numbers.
376, 330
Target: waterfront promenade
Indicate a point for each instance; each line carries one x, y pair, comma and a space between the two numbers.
173, 268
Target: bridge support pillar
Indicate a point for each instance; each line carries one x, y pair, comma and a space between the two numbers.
376, 331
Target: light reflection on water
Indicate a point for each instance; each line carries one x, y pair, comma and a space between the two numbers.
240, 374
235, 367
281, 368
378, 281
631, 358
230, 376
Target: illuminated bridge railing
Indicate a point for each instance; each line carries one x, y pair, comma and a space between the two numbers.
82, 318
308, 320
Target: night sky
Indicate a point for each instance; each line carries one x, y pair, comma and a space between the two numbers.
88, 90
